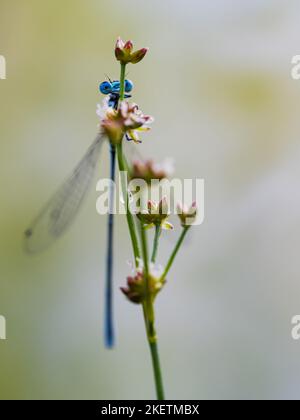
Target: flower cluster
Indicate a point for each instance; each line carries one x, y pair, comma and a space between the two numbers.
137, 285
124, 52
128, 118
156, 215
149, 170
187, 215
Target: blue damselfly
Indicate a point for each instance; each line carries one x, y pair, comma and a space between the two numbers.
59, 212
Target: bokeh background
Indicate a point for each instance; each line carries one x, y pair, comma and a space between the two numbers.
217, 79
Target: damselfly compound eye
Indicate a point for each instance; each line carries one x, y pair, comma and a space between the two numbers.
105, 88
128, 86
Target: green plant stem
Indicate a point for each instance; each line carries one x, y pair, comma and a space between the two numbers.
149, 317
148, 307
123, 167
157, 371
145, 253
155, 243
148, 300
174, 253
130, 221
152, 341
122, 81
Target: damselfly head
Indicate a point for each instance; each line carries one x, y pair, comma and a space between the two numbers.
109, 87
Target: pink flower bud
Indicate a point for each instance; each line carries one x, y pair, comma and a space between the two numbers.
135, 290
138, 55
187, 215
128, 46
124, 54
156, 214
149, 170
120, 44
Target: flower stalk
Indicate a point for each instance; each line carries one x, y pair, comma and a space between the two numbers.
175, 251
122, 81
158, 230
130, 221
149, 317
157, 371
123, 168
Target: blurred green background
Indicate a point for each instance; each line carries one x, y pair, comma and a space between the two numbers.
217, 79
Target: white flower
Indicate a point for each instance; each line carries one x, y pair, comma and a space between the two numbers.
136, 290
126, 119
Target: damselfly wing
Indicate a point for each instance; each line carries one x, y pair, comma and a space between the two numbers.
60, 211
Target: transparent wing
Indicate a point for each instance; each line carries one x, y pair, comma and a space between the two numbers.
132, 152
62, 208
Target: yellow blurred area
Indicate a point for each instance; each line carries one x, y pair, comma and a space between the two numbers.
217, 80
